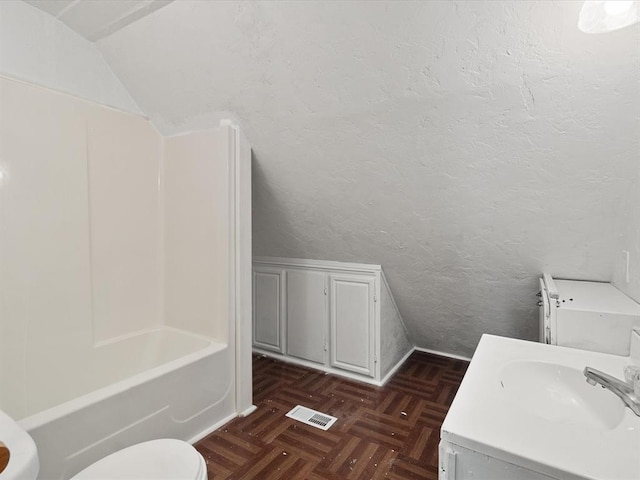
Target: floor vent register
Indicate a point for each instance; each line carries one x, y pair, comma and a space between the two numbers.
311, 417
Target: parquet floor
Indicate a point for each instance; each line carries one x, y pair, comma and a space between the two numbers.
390, 432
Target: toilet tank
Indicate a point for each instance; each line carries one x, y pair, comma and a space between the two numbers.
587, 315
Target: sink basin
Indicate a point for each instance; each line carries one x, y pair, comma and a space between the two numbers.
560, 394
528, 404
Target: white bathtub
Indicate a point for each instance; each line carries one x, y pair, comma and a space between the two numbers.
160, 383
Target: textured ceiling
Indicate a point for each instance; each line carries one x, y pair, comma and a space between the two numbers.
465, 146
95, 19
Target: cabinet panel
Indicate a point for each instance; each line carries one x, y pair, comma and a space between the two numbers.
268, 312
306, 314
352, 313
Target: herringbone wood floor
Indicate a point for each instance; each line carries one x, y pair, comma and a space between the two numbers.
390, 432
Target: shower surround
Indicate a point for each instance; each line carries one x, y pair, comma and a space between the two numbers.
125, 266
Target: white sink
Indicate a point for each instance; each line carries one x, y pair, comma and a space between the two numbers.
23, 459
560, 394
528, 404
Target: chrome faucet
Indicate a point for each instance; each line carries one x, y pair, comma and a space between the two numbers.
618, 387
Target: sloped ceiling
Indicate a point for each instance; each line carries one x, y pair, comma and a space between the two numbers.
465, 146
95, 19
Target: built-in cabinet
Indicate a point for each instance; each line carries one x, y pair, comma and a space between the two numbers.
325, 315
306, 315
268, 304
352, 315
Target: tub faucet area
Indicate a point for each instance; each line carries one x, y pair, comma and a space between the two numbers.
614, 385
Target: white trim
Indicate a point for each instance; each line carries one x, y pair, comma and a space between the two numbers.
377, 326
248, 411
317, 264
208, 431
397, 366
551, 286
351, 376
240, 268
317, 366
161, 247
234, 323
442, 354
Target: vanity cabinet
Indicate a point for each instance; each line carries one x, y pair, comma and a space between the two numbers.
459, 463
326, 315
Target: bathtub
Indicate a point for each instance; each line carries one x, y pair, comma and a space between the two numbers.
160, 383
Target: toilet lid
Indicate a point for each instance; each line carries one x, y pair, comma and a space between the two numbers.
165, 459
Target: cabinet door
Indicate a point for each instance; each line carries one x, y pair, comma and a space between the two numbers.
307, 318
352, 314
268, 299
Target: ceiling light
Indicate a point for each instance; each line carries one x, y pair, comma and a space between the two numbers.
606, 16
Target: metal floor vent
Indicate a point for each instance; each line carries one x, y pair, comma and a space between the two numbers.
311, 417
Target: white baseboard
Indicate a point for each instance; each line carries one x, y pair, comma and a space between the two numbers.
442, 354
248, 411
395, 368
354, 376
317, 366
211, 429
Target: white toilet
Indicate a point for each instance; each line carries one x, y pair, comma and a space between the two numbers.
164, 459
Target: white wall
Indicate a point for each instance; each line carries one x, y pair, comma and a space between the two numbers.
465, 146
394, 339
36, 47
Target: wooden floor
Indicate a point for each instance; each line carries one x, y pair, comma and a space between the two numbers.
389, 432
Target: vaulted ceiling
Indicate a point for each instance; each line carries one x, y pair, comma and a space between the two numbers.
95, 19
465, 146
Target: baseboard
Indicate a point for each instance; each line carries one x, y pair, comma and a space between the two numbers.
208, 431
395, 368
442, 354
316, 366
354, 376
248, 411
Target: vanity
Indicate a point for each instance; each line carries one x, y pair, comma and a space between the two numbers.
524, 411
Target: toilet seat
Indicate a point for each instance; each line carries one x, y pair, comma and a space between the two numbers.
164, 459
